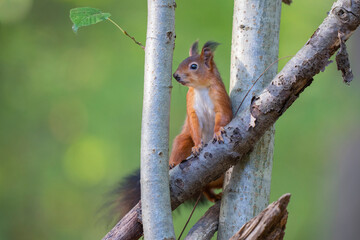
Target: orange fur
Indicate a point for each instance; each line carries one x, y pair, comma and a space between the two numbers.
206, 98
183, 143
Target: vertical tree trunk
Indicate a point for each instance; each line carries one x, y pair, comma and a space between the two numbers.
255, 41
155, 193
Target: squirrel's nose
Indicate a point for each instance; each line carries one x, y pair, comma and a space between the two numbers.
176, 76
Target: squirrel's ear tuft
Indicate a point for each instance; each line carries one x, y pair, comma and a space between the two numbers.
207, 52
194, 49
210, 45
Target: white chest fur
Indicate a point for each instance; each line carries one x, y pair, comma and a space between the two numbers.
204, 109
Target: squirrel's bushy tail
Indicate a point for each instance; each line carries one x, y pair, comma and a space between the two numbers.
127, 194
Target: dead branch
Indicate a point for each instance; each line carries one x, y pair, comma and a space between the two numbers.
268, 225
189, 178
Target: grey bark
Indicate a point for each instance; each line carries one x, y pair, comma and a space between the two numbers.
160, 37
207, 225
255, 45
188, 178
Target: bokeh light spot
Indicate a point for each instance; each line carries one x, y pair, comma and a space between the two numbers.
85, 161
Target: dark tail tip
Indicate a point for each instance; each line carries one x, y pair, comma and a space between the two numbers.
125, 196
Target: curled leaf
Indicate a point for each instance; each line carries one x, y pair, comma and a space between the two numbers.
86, 16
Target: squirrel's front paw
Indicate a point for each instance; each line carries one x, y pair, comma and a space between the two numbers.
217, 136
216, 197
196, 149
211, 196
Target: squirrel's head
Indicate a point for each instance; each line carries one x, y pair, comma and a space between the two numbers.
197, 69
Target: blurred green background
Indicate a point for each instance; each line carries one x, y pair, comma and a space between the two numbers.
70, 116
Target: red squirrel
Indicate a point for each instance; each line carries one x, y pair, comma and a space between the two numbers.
208, 107
208, 110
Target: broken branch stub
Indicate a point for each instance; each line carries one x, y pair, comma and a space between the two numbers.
268, 225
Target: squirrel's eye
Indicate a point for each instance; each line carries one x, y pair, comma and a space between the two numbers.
193, 66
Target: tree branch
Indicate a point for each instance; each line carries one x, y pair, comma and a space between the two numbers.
129, 227
207, 225
188, 178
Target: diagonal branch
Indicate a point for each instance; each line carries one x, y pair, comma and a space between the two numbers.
188, 178
207, 225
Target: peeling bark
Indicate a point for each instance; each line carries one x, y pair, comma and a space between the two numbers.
188, 178
343, 62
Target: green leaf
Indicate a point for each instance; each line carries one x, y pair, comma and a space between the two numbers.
86, 16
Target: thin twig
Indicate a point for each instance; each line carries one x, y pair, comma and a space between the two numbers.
197, 201
124, 32
258, 79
